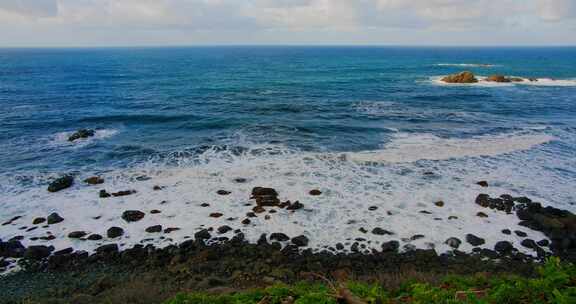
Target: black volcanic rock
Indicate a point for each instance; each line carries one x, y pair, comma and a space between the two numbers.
61, 183
114, 232
474, 240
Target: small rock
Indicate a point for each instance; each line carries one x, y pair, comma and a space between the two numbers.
416, 237
155, 211
482, 184
94, 180
281, 237
452, 217
295, 206
372, 208
390, 246
203, 234
171, 229
216, 215
439, 204
483, 200
157, 188
481, 214
528, 243
82, 133
132, 215
380, 231
503, 247
223, 192
65, 251
521, 233
54, 218
104, 194
453, 242
363, 230
474, 240
61, 183
94, 237
77, 234
463, 77
154, 229
507, 231
204, 205
300, 241
123, 193
38, 220
315, 192
246, 221
224, 229
114, 232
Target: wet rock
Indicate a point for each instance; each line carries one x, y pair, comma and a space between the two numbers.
104, 194
528, 243
507, 231
123, 193
12, 249
391, 246
54, 218
204, 205
224, 229
425, 212
483, 200
246, 221
216, 215
155, 211
417, 237
281, 237
462, 77
114, 232
38, 252
340, 246
300, 241
474, 240
315, 192
132, 215
265, 196
520, 233
482, 184
453, 242
439, 204
107, 249
171, 229
157, 188
481, 214
497, 78
380, 231
94, 180
61, 183
154, 229
372, 208
203, 234
223, 192
452, 217
82, 133
65, 251
240, 180
503, 247
363, 230
547, 223
12, 220
295, 206
94, 237
258, 209
38, 220
543, 243
77, 234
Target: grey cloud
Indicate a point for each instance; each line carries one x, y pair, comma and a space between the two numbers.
31, 8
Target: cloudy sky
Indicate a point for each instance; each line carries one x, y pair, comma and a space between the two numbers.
349, 22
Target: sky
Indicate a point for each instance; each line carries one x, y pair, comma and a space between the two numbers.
84, 23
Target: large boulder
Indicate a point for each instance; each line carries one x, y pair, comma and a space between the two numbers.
462, 77
54, 218
12, 249
265, 196
61, 183
83, 133
38, 252
114, 232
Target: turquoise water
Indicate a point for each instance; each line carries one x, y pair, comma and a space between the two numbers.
367, 125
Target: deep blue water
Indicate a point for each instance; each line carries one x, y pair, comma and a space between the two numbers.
155, 101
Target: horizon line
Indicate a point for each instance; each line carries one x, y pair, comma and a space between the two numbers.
285, 45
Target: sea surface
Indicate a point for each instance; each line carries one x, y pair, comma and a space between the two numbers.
368, 126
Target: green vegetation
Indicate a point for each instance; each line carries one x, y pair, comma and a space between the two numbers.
556, 283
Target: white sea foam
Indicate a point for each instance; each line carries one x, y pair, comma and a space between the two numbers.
549, 82
349, 185
410, 148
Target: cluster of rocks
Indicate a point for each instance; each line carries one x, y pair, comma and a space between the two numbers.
268, 198
469, 77
558, 225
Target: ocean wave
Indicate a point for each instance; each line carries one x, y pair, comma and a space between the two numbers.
399, 111
547, 82
406, 147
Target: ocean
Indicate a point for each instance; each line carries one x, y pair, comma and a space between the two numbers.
367, 126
